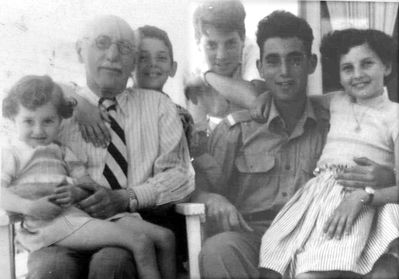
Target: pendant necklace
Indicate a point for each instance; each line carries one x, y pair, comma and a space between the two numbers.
358, 118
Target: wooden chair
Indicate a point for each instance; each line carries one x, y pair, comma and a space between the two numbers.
194, 214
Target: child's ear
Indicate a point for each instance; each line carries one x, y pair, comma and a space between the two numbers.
173, 69
388, 69
79, 50
312, 63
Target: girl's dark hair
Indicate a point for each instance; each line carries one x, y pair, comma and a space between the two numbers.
338, 43
34, 91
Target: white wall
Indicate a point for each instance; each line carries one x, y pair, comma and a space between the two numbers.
32, 30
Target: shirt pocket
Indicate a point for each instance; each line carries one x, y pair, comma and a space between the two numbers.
255, 163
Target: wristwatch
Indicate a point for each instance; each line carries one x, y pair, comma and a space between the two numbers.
370, 191
133, 202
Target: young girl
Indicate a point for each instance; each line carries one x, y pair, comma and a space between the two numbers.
327, 230
44, 181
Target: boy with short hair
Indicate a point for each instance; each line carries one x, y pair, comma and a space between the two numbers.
155, 65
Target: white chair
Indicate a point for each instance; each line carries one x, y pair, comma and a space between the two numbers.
194, 214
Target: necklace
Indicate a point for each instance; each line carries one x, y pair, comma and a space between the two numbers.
358, 118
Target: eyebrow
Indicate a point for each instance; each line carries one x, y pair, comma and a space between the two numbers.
294, 53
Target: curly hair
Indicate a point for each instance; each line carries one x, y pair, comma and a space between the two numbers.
283, 24
34, 91
338, 43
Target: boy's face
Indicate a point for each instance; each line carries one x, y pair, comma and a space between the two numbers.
37, 127
285, 66
222, 50
154, 65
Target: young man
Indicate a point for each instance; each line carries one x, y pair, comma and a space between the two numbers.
226, 56
259, 165
157, 170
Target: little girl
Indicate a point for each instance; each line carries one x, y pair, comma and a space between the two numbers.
44, 181
327, 230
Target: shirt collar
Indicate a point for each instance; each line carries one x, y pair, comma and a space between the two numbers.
91, 97
309, 113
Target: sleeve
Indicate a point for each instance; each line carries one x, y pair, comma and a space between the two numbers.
173, 174
219, 165
8, 166
76, 168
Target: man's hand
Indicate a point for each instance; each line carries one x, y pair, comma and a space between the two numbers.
343, 217
43, 209
103, 203
226, 216
91, 124
261, 108
367, 173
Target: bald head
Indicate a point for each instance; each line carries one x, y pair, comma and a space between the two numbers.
108, 22
107, 48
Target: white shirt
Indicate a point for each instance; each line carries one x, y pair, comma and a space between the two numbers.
159, 168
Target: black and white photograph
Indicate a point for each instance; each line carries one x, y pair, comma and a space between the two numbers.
199, 139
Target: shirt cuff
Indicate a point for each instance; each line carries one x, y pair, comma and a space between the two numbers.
146, 195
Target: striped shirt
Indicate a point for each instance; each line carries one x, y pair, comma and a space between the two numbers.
159, 168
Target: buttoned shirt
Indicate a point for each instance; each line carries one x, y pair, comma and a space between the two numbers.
159, 168
258, 166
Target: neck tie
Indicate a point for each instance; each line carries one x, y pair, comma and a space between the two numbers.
115, 169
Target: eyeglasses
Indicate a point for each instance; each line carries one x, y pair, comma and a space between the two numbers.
104, 42
294, 60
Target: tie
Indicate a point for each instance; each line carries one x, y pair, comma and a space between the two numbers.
115, 169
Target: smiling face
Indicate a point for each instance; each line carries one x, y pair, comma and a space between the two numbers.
285, 66
154, 64
37, 127
107, 69
362, 72
222, 50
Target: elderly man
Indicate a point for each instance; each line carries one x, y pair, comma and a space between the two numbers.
152, 169
259, 165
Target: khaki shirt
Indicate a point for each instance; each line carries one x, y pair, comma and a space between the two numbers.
258, 166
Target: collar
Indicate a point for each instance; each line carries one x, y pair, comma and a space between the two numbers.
91, 97
308, 114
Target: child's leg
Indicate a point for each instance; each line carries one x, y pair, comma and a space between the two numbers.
98, 233
164, 241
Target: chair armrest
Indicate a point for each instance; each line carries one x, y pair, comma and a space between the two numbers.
195, 217
190, 209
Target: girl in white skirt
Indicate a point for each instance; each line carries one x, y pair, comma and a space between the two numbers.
327, 230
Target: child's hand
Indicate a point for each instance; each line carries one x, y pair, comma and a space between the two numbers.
195, 87
91, 124
66, 195
343, 217
43, 209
